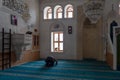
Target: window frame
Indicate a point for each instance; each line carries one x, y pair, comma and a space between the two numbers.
47, 14
58, 41
67, 11
58, 11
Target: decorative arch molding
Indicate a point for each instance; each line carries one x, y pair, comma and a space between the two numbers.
17, 7
57, 26
81, 21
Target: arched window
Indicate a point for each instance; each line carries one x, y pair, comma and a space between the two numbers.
58, 12
47, 12
68, 11
119, 8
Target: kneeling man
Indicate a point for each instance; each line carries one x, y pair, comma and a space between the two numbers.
50, 61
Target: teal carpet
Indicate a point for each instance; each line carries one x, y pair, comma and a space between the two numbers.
65, 70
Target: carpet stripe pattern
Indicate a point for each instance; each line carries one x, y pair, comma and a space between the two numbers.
65, 70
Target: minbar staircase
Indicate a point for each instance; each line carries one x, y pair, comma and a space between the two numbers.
5, 56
